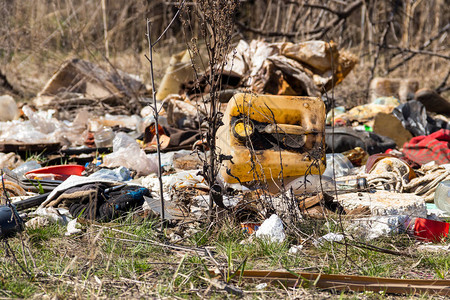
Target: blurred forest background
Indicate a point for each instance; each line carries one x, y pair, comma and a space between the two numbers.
392, 38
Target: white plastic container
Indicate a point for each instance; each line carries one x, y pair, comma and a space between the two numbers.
442, 196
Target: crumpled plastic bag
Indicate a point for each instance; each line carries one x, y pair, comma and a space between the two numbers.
127, 153
44, 216
41, 127
41, 123
117, 174
188, 179
272, 229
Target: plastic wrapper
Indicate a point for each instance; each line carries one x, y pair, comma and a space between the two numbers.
118, 174
41, 127
127, 153
272, 229
188, 179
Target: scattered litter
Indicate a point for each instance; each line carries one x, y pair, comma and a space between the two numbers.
329, 237
73, 227
127, 153
295, 249
51, 214
370, 228
90, 150
272, 229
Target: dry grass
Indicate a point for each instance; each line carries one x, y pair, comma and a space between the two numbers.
36, 38
104, 263
128, 259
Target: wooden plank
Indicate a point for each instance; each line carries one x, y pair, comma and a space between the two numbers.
352, 282
29, 147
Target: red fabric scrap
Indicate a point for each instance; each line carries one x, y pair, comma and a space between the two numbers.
434, 147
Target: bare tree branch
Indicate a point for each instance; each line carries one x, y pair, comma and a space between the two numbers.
424, 52
442, 88
316, 33
425, 45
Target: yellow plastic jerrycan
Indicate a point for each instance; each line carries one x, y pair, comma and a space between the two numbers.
272, 137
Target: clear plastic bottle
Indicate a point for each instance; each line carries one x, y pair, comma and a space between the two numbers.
341, 165
442, 196
26, 167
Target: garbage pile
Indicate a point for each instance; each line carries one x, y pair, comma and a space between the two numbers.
384, 165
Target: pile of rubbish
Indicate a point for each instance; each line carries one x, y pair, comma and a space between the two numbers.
85, 147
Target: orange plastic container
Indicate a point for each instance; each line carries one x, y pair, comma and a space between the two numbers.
270, 136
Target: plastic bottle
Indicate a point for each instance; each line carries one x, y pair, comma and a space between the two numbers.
341, 165
352, 184
442, 196
27, 166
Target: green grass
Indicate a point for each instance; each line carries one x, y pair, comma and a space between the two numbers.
121, 260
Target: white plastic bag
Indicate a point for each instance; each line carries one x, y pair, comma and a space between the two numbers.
272, 229
128, 154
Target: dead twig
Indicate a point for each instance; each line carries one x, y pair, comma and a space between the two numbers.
362, 245
424, 52
377, 54
442, 87
315, 33
156, 116
424, 45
